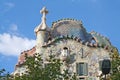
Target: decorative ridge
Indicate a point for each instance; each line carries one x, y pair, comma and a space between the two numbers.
98, 34
65, 19
90, 44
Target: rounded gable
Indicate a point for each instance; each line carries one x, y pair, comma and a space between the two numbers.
69, 27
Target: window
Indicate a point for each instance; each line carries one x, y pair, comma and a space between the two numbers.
65, 52
82, 69
106, 66
93, 41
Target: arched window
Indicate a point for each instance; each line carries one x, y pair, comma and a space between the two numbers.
65, 48
93, 41
65, 52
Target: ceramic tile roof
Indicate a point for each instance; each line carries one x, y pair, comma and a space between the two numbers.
69, 27
30, 52
101, 39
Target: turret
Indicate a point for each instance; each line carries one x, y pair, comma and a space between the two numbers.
42, 31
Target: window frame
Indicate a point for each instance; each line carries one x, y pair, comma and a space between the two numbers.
82, 67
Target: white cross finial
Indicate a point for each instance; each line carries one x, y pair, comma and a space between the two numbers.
44, 11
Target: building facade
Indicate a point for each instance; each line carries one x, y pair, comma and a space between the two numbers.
80, 51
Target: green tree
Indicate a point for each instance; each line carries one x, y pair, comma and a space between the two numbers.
115, 65
4, 75
37, 70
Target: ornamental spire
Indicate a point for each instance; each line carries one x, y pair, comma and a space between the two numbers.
43, 25
44, 11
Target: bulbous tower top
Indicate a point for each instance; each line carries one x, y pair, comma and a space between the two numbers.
42, 26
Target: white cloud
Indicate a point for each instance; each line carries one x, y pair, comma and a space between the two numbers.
14, 45
9, 4
5, 7
13, 27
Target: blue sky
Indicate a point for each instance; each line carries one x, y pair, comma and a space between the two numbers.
18, 18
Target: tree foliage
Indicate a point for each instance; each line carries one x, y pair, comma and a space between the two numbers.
115, 65
38, 70
4, 75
